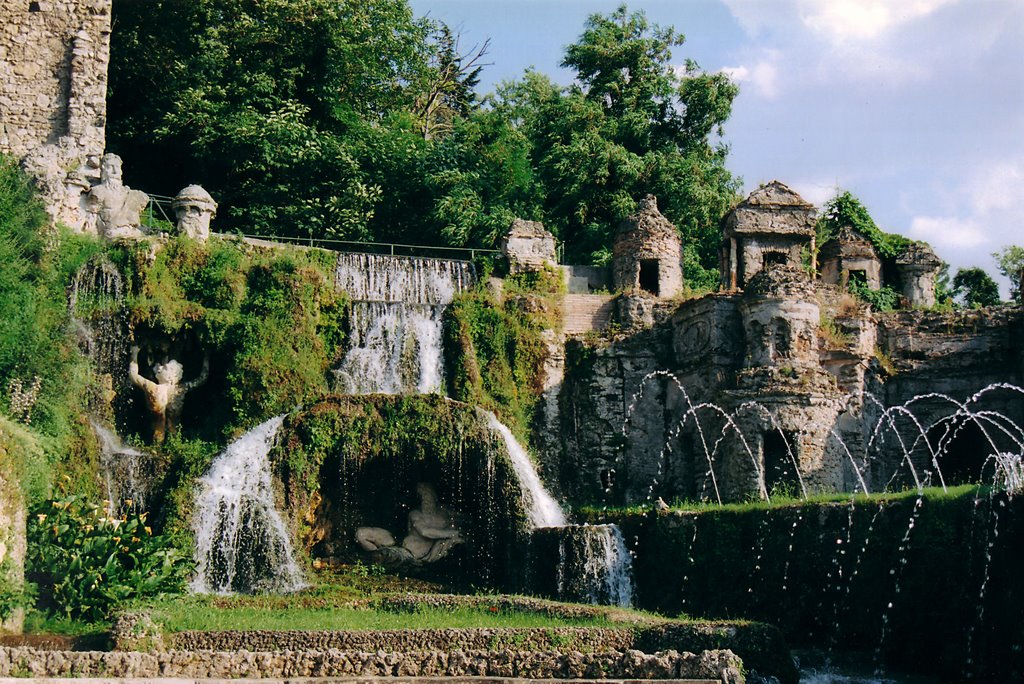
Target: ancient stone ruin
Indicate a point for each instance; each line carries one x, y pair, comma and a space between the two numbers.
527, 246
849, 255
647, 253
918, 267
53, 71
773, 226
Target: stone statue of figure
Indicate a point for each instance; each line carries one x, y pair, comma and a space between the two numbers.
432, 534
194, 208
116, 205
165, 397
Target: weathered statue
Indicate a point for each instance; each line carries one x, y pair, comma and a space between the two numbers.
432, 534
116, 205
165, 397
194, 208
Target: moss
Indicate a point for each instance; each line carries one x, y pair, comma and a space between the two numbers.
495, 347
355, 461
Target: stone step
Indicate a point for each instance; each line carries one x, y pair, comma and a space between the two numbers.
583, 313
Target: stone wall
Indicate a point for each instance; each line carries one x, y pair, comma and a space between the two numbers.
53, 67
721, 666
53, 87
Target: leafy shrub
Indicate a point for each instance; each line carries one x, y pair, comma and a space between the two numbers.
91, 562
883, 299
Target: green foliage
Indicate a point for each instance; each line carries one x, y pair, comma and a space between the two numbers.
43, 378
495, 348
353, 120
883, 299
92, 563
846, 210
1010, 260
271, 320
975, 288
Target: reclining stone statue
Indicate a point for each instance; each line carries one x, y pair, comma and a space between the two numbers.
432, 535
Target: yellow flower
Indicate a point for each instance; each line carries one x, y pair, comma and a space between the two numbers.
41, 516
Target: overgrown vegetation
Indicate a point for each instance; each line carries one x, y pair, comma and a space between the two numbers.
495, 345
846, 210
88, 561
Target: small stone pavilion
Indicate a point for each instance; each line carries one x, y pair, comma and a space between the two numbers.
918, 267
648, 254
846, 255
771, 227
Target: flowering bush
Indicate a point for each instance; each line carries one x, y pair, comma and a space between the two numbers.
91, 562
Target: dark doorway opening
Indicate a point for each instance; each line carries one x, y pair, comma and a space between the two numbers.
773, 259
779, 452
963, 453
34, 7
649, 276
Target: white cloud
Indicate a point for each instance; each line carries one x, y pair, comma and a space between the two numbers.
996, 188
763, 75
948, 233
859, 20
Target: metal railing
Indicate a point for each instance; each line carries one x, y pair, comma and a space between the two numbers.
390, 248
159, 209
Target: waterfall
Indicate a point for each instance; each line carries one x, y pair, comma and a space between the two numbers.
544, 511
100, 324
125, 472
242, 543
595, 565
395, 336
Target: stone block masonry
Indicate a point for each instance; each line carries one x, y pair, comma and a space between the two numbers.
53, 68
53, 84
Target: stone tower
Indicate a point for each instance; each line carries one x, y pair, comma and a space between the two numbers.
772, 227
647, 254
53, 86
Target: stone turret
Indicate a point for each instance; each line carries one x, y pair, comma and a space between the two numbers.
849, 254
780, 318
769, 228
528, 247
918, 267
647, 253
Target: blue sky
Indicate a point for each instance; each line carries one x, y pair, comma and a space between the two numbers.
915, 106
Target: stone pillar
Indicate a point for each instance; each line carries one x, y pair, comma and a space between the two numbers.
781, 318
918, 267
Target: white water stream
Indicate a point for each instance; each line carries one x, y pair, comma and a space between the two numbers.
242, 543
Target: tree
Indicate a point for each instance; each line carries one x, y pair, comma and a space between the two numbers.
975, 288
264, 103
634, 125
1010, 260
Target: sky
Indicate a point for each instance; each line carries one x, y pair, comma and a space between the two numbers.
914, 106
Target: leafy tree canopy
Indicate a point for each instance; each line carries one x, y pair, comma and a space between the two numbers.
355, 120
973, 287
1010, 260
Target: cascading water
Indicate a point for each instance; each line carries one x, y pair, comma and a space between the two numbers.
124, 472
593, 563
543, 509
395, 327
99, 321
242, 543
604, 567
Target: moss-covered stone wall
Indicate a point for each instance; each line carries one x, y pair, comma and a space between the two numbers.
354, 461
826, 574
